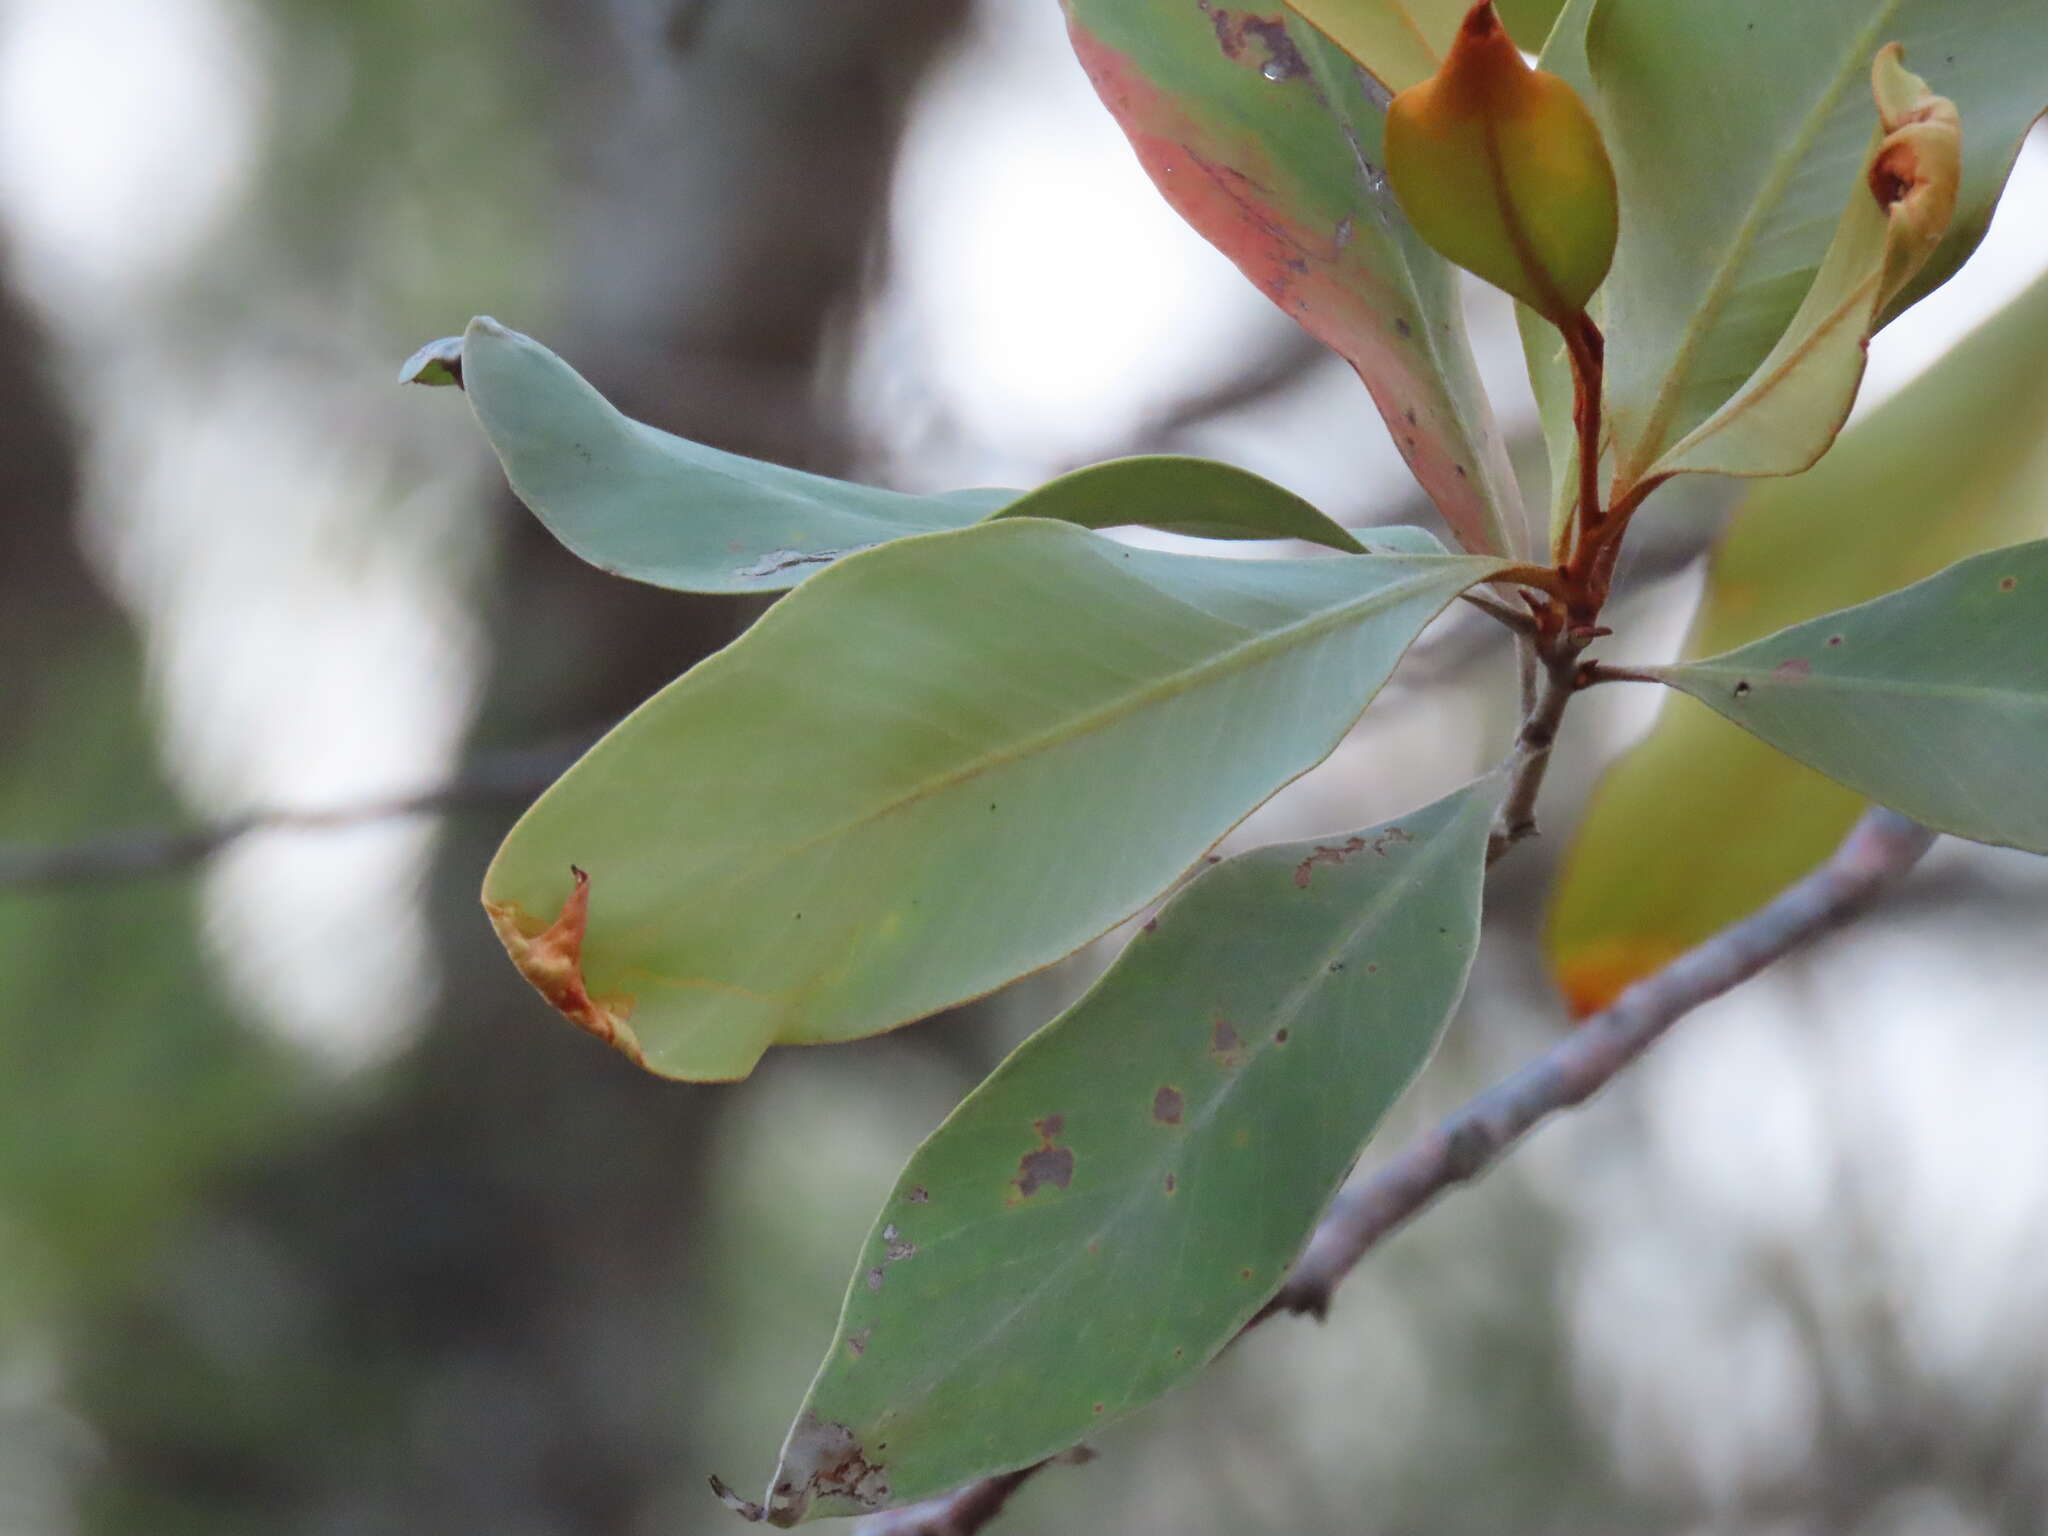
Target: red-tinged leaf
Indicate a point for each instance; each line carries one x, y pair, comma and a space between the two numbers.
1268, 139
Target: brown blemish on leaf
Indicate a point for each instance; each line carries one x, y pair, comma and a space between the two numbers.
1260, 42
1834, 640
918, 1195
1244, 1274
825, 1460
2009, 584
875, 1278
1167, 1105
1333, 854
1792, 669
1098, 1407
1226, 1046
895, 1247
551, 958
857, 1343
1172, 1183
1046, 1163
1337, 853
1742, 689
1280, 1038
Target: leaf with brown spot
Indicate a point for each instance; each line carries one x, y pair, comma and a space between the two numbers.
1102, 1260
1264, 136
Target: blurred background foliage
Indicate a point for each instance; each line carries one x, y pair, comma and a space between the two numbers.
313, 1221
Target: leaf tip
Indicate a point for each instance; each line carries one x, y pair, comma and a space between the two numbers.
1916, 173
746, 1509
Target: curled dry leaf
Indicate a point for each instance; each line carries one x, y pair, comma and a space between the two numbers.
551, 958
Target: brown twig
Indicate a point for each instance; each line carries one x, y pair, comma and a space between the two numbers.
1879, 851
489, 779
1558, 661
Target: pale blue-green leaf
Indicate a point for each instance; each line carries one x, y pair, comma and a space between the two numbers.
1933, 700
643, 503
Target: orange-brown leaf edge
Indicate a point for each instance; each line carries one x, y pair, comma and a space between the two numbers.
551, 958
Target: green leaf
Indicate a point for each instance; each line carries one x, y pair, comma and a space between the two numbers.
658, 508
1103, 1215
1401, 42
1954, 464
1266, 138
1736, 131
1933, 701
935, 767
1530, 20
1198, 498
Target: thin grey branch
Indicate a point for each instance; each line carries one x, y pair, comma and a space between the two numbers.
1881, 849
494, 778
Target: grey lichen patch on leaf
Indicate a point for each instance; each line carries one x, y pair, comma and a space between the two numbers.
776, 561
551, 958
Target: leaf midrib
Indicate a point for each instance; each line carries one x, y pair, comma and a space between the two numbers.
1240, 657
